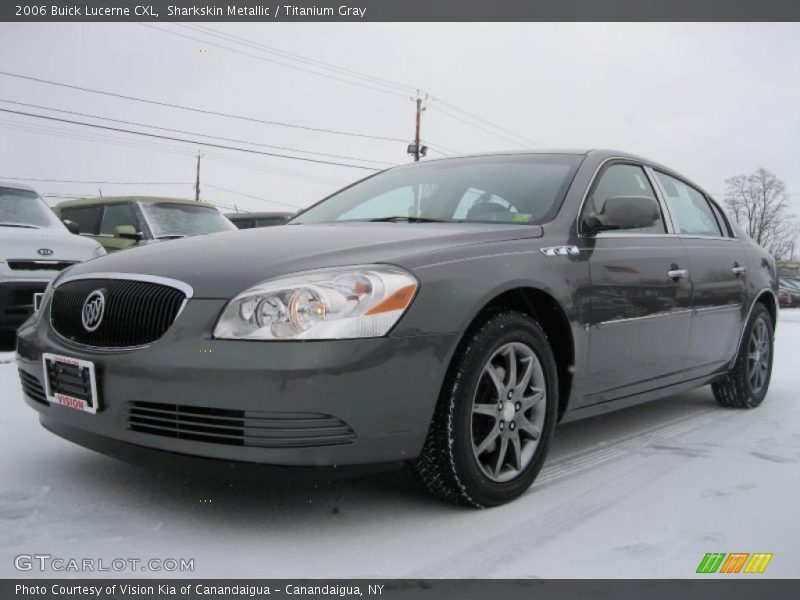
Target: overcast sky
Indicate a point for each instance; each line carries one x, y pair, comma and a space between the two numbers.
709, 100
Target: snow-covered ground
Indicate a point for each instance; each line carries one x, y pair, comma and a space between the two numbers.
644, 492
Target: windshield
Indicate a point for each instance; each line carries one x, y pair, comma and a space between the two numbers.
178, 220
21, 208
525, 189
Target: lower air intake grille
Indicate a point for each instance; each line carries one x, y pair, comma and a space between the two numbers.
32, 388
238, 427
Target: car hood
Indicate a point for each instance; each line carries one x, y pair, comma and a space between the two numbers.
24, 243
223, 264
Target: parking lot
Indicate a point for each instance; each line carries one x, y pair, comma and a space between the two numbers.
644, 492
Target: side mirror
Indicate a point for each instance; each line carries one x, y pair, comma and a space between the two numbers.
624, 212
71, 226
127, 232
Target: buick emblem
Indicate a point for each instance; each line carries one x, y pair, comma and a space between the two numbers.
92, 311
45, 252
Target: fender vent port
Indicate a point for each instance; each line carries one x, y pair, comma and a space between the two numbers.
238, 427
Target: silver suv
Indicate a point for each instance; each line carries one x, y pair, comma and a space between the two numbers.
34, 247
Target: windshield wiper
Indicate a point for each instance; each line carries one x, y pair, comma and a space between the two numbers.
398, 218
19, 225
170, 236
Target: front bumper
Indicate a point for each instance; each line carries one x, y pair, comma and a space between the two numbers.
383, 389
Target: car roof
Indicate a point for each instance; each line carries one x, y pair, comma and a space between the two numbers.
256, 215
116, 199
16, 186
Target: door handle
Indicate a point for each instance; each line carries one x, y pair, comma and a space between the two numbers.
678, 274
737, 270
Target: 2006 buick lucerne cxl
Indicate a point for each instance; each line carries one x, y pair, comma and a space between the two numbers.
447, 314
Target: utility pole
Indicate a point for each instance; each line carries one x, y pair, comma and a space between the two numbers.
415, 148
197, 181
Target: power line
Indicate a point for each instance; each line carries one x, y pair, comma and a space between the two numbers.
183, 131
156, 147
95, 182
500, 128
299, 57
269, 60
508, 133
217, 187
196, 142
200, 110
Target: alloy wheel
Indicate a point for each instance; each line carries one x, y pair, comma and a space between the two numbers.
508, 412
758, 356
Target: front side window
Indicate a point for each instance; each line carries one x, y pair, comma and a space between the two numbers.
21, 208
87, 218
180, 220
116, 215
504, 189
624, 180
689, 207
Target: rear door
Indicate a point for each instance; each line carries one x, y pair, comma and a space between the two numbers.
640, 296
717, 270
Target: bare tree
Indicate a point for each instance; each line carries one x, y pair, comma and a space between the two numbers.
759, 204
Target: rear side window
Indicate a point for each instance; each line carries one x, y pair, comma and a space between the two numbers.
721, 219
624, 180
690, 209
116, 215
87, 218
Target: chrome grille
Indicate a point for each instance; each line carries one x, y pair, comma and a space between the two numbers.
238, 427
135, 312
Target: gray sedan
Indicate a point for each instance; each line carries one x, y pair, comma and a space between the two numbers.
445, 314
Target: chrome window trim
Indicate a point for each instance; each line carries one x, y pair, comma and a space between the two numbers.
173, 283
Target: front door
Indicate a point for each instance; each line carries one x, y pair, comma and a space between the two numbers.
640, 295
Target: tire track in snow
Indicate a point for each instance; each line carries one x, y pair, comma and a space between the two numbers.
510, 545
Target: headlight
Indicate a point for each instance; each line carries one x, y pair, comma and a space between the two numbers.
347, 302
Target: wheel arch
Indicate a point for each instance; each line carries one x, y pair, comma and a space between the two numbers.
550, 315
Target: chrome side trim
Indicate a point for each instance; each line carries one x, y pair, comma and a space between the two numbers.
173, 283
660, 315
747, 320
720, 308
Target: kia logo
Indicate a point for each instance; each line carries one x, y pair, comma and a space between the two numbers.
92, 311
45, 252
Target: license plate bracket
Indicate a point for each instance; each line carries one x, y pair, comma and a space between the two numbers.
70, 382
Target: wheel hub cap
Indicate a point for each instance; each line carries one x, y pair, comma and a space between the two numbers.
508, 411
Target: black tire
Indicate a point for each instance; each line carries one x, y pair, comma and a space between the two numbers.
449, 466
738, 389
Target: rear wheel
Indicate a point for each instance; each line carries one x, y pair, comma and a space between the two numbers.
495, 416
746, 384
